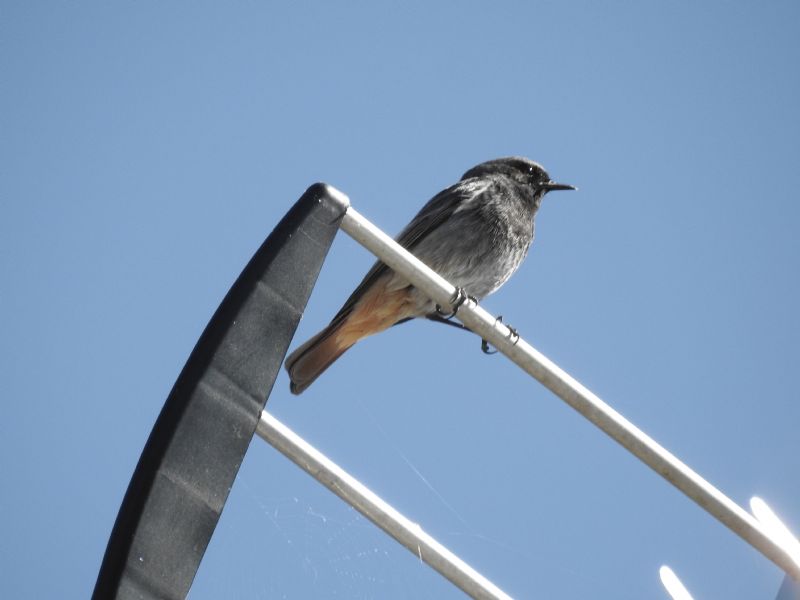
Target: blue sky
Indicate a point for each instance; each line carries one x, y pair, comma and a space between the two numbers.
147, 150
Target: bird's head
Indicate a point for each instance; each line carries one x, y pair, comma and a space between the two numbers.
522, 171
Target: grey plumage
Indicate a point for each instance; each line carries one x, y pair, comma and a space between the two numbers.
474, 233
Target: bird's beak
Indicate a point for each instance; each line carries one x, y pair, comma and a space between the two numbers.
552, 186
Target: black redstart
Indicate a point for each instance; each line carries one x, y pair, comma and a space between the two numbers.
474, 234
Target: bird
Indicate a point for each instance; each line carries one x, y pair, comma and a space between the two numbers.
474, 233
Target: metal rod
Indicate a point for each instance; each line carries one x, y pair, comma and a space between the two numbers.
572, 392
349, 489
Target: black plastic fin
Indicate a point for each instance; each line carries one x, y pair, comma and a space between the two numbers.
189, 463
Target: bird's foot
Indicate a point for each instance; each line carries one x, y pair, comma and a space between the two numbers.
486, 348
459, 297
512, 334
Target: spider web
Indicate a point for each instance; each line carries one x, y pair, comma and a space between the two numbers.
304, 542
306, 545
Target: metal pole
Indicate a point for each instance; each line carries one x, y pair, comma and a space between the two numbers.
572, 392
349, 489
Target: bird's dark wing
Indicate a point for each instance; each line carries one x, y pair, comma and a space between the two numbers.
434, 213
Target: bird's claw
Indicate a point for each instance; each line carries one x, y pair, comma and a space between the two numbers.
513, 335
459, 297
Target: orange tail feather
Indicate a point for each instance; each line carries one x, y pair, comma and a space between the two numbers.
309, 361
376, 311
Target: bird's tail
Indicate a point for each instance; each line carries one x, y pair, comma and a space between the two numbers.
311, 359
376, 310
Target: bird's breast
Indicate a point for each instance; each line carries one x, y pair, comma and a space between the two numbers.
479, 248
